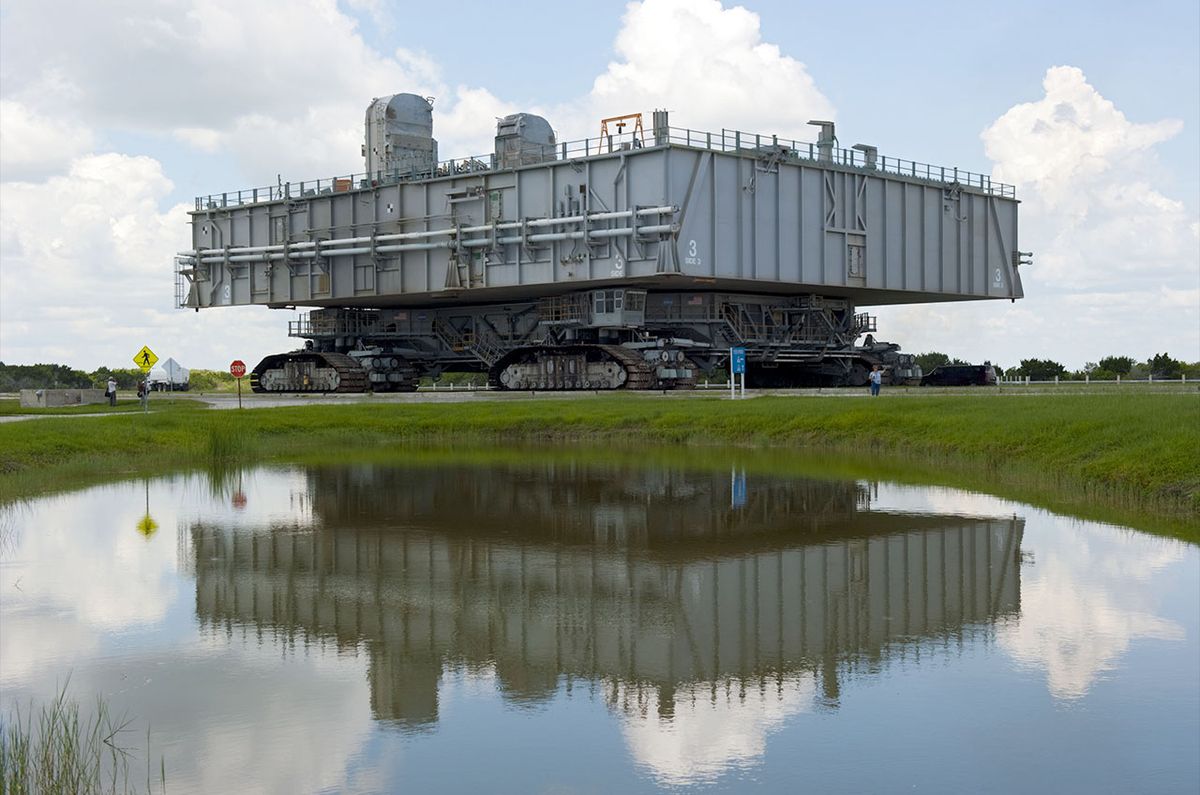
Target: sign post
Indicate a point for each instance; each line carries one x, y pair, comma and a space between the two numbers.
238, 370
145, 359
737, 364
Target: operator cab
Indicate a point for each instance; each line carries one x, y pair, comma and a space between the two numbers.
618, 307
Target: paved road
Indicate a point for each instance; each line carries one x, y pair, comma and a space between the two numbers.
225, 401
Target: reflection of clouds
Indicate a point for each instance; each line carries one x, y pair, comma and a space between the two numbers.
82, 553
76, 570
1150, 557
224, 717
938, 500
951, 502
274, 495
1084, 601
473, 681
311, 717
33, 642
707, 735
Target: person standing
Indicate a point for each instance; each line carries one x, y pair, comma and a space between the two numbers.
876, 379
143, 392
110, 391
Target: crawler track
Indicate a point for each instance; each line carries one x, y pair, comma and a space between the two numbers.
638, 374
308, 371
573, 367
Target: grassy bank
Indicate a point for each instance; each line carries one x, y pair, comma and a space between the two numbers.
1138, 454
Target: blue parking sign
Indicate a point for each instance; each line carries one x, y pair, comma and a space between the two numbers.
737, 359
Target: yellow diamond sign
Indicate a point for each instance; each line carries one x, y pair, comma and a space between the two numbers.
145, 359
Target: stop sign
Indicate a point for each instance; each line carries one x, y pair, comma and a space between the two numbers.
238, 368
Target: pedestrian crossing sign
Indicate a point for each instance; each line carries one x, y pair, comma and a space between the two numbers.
145, 359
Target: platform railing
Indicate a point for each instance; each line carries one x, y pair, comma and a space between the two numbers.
342, 325
183, 266
764, 147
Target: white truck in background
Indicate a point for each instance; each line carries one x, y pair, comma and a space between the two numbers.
169, 376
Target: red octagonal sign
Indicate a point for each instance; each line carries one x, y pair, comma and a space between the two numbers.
238, 368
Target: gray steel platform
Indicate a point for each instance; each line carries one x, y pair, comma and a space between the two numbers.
673, 210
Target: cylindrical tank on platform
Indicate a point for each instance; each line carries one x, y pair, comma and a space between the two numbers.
523, 139
399, 136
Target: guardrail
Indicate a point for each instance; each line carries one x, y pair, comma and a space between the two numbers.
766, 147
1026, 381
790, 149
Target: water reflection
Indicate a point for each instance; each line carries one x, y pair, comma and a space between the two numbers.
705, 610
639, 625
1086, 601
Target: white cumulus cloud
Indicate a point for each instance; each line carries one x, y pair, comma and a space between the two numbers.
1067, 139
710, 65
1116, 262
93, 289
34, 146
1086, 174
202, 73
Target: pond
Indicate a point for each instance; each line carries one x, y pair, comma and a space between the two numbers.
508, 624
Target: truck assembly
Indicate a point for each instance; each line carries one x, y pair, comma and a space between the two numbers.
634, 260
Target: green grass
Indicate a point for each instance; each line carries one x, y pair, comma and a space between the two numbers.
56, 749
1133, 458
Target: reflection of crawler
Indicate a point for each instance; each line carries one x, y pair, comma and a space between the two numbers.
607, 592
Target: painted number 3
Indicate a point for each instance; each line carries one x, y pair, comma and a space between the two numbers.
691, 248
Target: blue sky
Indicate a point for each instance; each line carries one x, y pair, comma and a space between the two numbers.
117, 114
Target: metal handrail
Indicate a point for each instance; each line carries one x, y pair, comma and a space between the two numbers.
749, 144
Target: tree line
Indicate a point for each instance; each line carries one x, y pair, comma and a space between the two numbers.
14, 377
1161, 366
